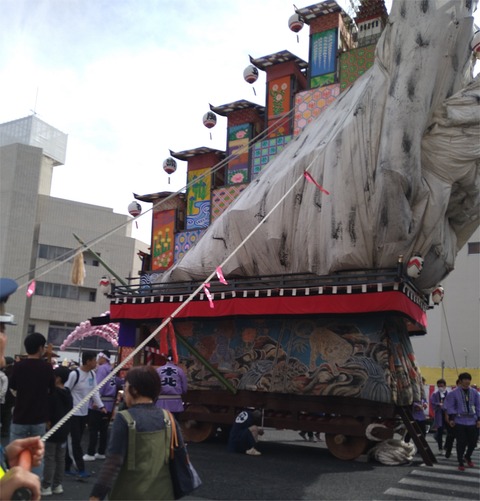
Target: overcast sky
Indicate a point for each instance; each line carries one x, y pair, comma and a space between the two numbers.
128, 80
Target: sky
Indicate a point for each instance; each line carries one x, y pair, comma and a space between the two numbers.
129, 80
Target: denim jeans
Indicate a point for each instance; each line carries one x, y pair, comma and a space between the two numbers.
28, 430
54, 469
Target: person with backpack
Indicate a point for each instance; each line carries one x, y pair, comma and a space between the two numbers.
81, 382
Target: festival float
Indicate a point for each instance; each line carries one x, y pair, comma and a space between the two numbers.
292, 271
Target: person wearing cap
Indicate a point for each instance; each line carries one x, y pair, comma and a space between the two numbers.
98, 421
174, 385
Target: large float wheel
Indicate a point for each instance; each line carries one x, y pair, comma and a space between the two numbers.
197, 431
345, 446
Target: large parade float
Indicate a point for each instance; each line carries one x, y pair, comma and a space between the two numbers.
291, 273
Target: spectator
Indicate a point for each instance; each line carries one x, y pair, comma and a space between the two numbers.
174, 385
33, 381
150, 477
60, 404
463, 408
81, 382
437, 401
245, 432
98, 421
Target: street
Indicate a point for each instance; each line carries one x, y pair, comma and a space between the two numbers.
292, 469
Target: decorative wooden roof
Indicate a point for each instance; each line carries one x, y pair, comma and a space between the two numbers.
371, 9
284, 56
154, 197
225, 109
202, 150
308, 14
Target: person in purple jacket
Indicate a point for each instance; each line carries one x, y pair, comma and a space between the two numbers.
437, 401
463, 408
174, 385
98, 421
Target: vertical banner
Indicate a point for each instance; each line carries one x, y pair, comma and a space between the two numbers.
163, 239
198, 199
238, 166
323, 58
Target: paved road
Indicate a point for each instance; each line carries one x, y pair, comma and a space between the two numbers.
292, 469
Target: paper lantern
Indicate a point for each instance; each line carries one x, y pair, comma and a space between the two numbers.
250, 74
437, 295
209, 119
295, 23
134, 208
415, 266
169, 166
104, 285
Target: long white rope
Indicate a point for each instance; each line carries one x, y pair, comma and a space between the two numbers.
175, 313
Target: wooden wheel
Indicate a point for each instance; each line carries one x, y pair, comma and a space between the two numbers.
344, 446
194, 430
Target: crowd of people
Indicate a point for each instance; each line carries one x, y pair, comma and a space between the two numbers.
44, 397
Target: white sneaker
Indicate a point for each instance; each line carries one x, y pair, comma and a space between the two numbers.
253, 452
58, 489
100, 456
46, 491
87, 457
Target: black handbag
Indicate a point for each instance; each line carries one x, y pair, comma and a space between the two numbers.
185, 478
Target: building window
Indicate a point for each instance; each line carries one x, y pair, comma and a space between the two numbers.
474, 247
65, 291
54, 253
30, 329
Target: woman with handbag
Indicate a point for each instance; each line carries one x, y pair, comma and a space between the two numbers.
138, 454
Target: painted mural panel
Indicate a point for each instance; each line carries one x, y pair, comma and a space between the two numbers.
355, 356
311, 103
198, 199
238, 138
354, 64
323, 57
266, 150
185, 240
223, 197
279, 94
163, 239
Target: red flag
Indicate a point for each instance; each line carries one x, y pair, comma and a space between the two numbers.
309, 178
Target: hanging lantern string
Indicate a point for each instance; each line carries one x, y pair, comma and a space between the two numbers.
202, 287
53, 264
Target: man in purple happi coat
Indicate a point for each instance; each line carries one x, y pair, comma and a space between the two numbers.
97, 421
463, 408
174, 385
437, 401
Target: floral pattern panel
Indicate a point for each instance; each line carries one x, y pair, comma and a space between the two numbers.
238, 137
279, 103
358, 356
267, 150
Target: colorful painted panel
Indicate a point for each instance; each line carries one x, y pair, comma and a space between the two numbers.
311, 103
358, 357
238, 166
185, 240
198, 199
279, 127
266, 150
163, 239
223, 197
354, 64
323, 54
279, 92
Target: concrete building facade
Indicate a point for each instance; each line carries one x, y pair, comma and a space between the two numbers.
37, 242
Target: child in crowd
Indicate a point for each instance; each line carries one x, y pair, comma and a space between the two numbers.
60, 403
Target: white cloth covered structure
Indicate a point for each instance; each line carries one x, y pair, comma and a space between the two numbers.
398, 152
